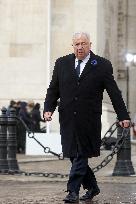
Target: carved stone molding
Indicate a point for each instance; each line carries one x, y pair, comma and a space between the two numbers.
121, 33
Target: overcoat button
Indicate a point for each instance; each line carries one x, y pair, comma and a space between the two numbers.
75, 112
76, 98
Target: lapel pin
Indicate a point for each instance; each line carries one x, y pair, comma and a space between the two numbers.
94, 62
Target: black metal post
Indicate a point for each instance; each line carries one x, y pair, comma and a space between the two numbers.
3, 142
123, 166
12, 143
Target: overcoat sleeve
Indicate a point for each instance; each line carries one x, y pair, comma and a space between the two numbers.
114, 93
53, 91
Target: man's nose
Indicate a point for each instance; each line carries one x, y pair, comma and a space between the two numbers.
80, 46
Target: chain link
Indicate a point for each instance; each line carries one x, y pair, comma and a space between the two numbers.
109, 133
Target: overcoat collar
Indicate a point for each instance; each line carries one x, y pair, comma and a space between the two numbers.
88, 67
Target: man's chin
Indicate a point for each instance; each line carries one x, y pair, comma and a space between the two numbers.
81, 57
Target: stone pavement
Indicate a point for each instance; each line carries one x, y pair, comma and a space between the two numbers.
20, 189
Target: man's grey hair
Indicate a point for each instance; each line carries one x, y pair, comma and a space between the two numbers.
81, 33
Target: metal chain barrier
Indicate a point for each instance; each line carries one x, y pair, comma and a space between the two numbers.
46, 149
104, 162
115, 150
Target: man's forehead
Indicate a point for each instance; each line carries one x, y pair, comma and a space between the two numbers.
80, 38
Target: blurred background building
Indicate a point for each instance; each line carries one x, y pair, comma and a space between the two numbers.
33, 33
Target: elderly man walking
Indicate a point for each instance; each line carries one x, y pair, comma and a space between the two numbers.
79, 80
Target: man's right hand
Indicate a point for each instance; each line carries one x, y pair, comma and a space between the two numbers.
47, 116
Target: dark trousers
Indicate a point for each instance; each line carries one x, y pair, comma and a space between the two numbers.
80, 174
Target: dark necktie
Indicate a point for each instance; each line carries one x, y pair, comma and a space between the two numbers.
78, 68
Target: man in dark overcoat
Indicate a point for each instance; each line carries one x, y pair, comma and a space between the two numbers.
79, 80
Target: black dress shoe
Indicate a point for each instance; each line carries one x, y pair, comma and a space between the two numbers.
90, 194
72, 197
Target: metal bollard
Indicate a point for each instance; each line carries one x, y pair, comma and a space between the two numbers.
3, 142
123, 166
11, 141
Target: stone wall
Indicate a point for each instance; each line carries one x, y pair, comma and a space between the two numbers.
131, 47
116, 28
23, 50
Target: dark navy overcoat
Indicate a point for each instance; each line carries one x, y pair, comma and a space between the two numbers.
80, 105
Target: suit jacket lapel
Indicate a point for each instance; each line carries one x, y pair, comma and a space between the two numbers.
89, 65
72, 66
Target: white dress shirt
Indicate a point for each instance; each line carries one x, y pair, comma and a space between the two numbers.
83, 63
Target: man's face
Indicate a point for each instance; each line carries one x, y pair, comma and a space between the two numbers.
81, 47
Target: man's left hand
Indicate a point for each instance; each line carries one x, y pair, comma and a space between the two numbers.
125, 123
